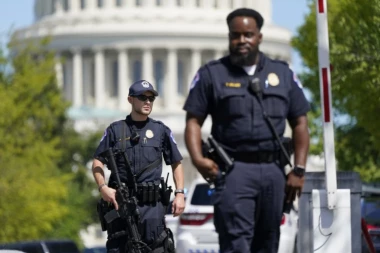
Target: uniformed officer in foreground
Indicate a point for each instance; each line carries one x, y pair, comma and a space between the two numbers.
146, 142
249, 198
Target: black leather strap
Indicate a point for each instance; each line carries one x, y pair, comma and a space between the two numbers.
149, 167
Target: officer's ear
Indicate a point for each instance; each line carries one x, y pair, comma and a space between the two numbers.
260, 37
130, 99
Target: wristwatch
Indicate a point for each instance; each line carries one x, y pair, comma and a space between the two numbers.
101, 186
179, 191
299, 170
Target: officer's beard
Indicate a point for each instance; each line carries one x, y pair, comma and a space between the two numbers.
243, 59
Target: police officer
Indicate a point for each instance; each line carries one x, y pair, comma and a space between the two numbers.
146, 142
249, 198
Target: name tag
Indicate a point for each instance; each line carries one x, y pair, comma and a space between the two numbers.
233, 85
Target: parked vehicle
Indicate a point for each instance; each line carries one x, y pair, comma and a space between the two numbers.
370, 209
43, 246
196, 230
11, 251
98, 249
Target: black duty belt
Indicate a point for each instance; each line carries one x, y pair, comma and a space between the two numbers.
257, 157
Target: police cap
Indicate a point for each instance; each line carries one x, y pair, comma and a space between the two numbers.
141, 86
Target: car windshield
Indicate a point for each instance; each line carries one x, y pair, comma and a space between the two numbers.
371, 209
62, 247
202, 195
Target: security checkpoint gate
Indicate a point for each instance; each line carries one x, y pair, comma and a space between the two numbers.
327, 230
329, 207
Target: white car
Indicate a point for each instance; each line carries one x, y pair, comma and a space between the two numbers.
196, 230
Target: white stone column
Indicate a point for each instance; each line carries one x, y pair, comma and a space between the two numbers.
195, 63
129, 3
223, 4
59, 71
99, 78
74, 5
149, 3
170, 3
123, 74
171, 82
109, 4
58, 6
147, 65
91, 5
207, 3
237, 4
189, 3
77, 78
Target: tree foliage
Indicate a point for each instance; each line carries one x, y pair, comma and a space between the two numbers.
32, 186
44, 184
353, 35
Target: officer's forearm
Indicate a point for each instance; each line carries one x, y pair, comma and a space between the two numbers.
178, 177
97, 172
300, 140
193, 137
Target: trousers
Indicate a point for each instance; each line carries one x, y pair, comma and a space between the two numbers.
248, 205
151, 226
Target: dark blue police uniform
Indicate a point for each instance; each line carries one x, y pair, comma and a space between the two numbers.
156, 141
248, 201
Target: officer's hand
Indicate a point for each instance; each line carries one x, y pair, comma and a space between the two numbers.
293, 187
109, 195
207, 168
178, 204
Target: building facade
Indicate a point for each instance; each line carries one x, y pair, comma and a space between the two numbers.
105, 45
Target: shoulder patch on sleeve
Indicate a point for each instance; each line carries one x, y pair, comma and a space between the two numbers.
195, 80
298, 82
172, 137
104, 135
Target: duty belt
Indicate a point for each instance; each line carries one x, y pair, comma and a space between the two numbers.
257, 157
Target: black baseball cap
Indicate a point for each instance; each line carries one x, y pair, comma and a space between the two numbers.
141, 86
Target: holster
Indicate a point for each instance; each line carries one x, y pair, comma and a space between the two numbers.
169, 245
165, 192
102, 208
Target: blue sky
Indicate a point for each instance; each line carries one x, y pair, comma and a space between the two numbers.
288, 13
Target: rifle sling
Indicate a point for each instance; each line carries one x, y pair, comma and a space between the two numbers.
149, 167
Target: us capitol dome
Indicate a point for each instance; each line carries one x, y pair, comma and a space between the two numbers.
108, 44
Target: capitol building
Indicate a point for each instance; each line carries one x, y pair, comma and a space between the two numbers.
106, 45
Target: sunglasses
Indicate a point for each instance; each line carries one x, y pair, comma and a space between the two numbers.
145, 98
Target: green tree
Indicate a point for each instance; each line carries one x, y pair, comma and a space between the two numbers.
46, 191
32, 187
78, 150
353, 33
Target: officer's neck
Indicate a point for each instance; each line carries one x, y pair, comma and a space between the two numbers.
138, 117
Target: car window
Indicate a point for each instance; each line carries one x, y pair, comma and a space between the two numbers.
371, 209
32, 247
202, 195
95, 250
62, 247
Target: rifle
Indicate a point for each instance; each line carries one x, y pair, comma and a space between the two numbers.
127, 205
